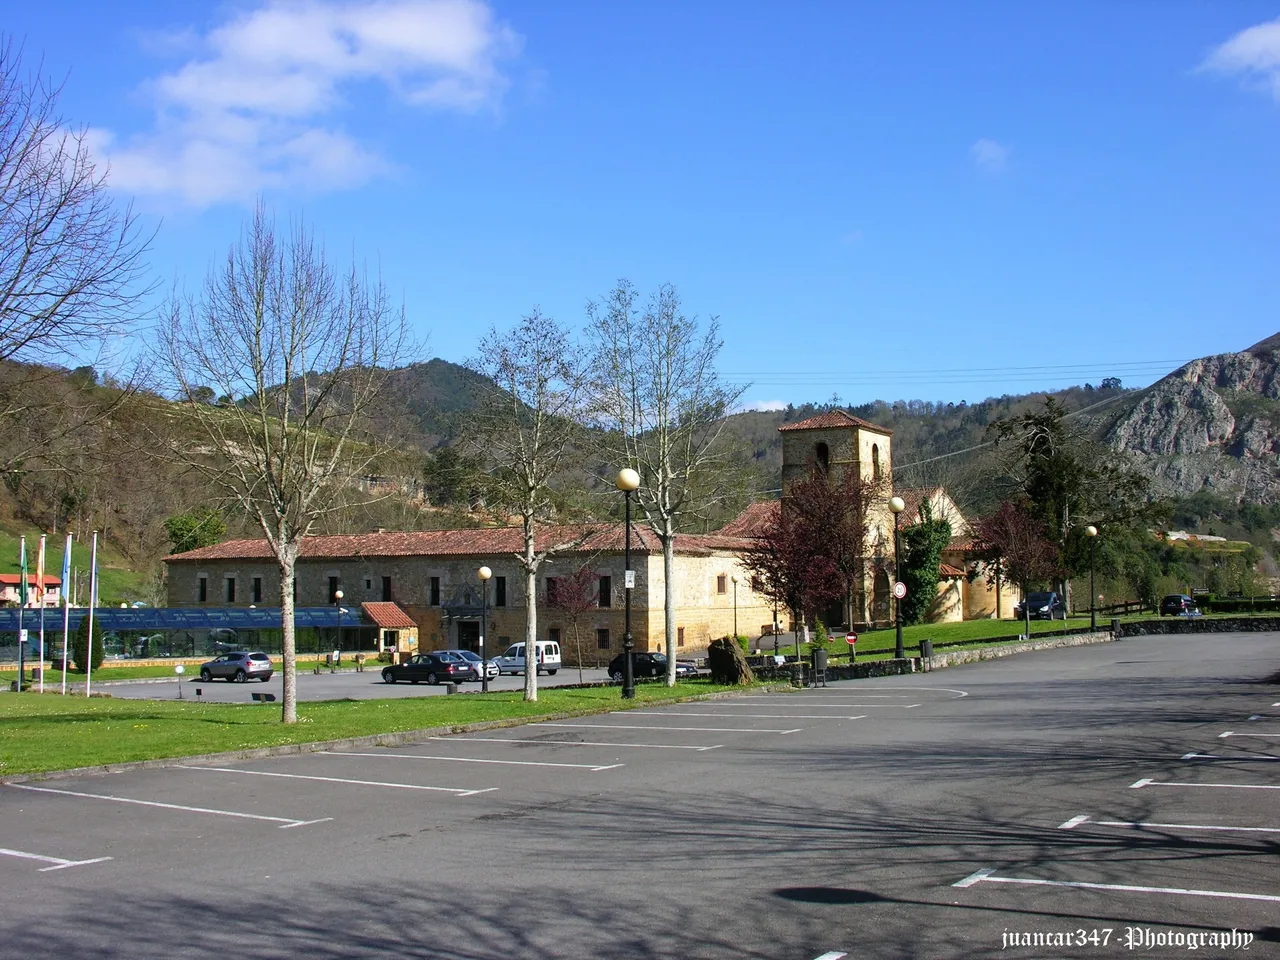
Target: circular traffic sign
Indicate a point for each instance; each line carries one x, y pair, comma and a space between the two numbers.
851, 639
899, 589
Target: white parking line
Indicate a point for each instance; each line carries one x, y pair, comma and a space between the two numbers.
749, 716
621, 726
1212, 756
988, 876
514, 763
831, 955
459, 791
1232, 733
1148, 782
58, 862
1076, 821
285, 822
832, 703
579, 743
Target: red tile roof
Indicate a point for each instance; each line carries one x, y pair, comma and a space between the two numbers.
13, 579
834, 418
947, 570
484, 541
753, 521
388, 616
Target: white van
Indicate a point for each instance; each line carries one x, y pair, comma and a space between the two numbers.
548, 658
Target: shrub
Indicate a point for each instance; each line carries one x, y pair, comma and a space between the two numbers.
80, 646
743, 642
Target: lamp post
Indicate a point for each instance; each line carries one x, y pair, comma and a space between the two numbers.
628, 482
337, 602
735, 609
897, 505
1092, 533
484, 573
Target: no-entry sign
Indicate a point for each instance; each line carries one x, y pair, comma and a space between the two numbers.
851, 639
899, 589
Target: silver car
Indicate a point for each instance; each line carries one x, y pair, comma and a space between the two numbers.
239, 666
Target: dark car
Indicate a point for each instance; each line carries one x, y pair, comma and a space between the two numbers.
490, 666
642, 665
429, 667
239, 666
1176, 605
685, 668
1043, 606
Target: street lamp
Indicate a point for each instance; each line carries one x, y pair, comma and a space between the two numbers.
735, 609
897, 505
485, 573
337, 601
1092, 533
628, 482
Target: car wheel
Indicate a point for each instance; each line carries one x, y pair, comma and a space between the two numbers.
266, 679
388, 676
206, 676
551, 673
432, 679
241, 676
616, 676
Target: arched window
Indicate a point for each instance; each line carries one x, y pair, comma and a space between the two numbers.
875, 461
822, 456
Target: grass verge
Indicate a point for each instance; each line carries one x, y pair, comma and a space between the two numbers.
40, 733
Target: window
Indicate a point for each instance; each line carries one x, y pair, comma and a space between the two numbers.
875, 461
554, 635
499, 591
257, 589
202, 589
333, 589
552, 585
602, 638
435, 593
386, 589
679, 636
231, 589
606, 591
756, 583
822, 457
722, 584
368, 583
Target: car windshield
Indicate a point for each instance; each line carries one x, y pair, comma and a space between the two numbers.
258, 656
468, 655
1040, 598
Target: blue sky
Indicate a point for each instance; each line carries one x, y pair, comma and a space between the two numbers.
911, 200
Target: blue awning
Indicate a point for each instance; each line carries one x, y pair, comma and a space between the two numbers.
181, 618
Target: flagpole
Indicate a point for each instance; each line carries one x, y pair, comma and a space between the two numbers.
40, 598
93, 599
66, 608
22, 600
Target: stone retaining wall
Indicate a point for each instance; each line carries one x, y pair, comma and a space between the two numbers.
1141, 628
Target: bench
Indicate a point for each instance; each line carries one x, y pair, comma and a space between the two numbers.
262, 697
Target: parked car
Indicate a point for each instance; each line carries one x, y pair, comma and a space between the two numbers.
548, 654
685, 668
642, 665
238, 666
1177, 605
491, 666
429, 668
1044, 606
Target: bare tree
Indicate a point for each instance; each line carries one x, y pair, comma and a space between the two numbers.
576, 595
70, 261
663, 405
301, 353
525, 427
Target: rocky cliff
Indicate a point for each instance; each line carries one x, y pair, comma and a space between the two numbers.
1212, 424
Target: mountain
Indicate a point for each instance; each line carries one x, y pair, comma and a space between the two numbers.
1211, 425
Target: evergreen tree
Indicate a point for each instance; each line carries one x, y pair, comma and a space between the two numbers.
922, 546
80, 645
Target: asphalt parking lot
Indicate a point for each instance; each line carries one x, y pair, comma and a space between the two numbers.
1113, 795
340, 685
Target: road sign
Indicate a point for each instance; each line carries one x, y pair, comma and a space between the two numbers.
629, 580
899, 589
851, 639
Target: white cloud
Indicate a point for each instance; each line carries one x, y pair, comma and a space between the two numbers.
763, 406
989, 155
1253, 54
255, 108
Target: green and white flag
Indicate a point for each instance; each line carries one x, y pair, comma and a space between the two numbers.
22, 574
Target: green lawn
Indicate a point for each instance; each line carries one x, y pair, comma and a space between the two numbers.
878, 641
51, 732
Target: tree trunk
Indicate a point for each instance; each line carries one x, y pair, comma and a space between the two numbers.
668, 602
530, 617
289, 665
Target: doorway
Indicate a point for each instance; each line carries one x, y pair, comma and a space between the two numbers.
469, 635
